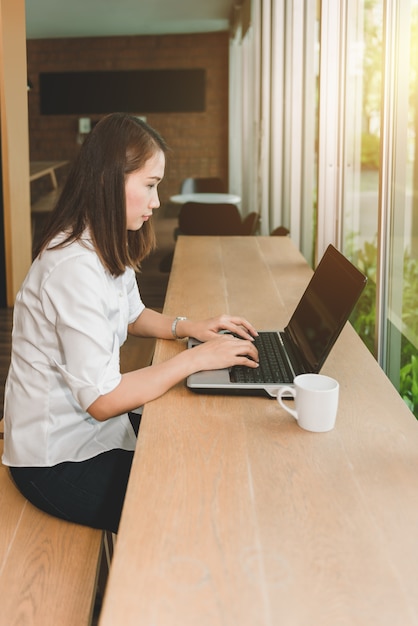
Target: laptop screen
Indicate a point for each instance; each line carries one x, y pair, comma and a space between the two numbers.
325, 306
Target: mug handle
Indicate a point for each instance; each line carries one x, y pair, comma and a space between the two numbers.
289, 391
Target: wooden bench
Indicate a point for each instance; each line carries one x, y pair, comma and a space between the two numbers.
40, 209
46, 202
48, 567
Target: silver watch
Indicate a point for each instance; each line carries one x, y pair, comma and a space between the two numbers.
174, 326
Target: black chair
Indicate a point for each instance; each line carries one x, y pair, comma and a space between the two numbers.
196, 218
203, 185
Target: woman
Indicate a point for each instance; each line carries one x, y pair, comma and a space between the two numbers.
69, 440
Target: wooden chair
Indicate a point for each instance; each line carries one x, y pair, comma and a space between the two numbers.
203, 185
215, 219
211, 219
251, 223
280, 231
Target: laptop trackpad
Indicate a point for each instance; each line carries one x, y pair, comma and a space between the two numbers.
213, 376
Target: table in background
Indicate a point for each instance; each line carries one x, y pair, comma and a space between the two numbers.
236, 516
37, 169
46, 202
206, 198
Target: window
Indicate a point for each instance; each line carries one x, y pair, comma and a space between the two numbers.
354, 132
399, 332
373, 181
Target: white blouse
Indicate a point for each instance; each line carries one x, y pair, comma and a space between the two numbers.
70, 320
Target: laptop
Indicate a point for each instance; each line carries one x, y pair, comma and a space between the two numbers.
305, 342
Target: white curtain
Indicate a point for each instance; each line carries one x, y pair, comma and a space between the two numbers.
243, 117
256, 114
269, 167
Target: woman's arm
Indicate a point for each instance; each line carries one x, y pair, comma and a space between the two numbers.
153, 324
148, 383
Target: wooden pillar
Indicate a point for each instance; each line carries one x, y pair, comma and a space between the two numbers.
15, 144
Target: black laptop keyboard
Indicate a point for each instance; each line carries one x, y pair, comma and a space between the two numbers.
273, 365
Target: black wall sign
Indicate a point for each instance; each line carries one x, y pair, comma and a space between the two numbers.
139, 91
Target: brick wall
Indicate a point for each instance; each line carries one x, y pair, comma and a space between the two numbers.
198, 141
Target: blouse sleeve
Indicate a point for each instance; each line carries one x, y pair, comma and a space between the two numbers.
90, 311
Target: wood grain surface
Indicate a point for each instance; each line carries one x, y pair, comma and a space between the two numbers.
235, 515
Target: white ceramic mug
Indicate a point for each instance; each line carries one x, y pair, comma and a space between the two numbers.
316, 401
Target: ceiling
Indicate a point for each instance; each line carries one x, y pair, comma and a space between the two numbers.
96, 18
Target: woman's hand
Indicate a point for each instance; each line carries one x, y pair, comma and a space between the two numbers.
208, 329
143, 385
224, 350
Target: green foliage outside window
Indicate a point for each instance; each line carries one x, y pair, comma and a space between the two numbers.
364, 315
370, 147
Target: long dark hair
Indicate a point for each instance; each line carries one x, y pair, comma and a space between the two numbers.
93, 196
